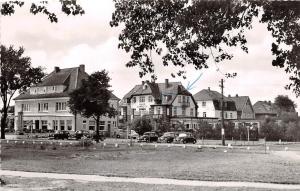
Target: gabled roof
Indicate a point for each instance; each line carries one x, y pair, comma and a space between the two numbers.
264, 107
216, 97
158, 90
57, 78
69, 77
240, 101
208, 95
113, 96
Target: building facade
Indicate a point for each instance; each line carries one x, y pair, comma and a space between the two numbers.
169, 101
209, 105
245, 112
45, 106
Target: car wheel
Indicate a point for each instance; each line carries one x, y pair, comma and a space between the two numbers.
194, 142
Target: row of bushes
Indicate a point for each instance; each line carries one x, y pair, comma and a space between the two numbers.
286, 128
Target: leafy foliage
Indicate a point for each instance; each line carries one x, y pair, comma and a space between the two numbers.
142, 124
187, 32
284, 104
16, 74
92, 98
68, 7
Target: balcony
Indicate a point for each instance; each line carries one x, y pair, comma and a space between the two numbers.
185, 104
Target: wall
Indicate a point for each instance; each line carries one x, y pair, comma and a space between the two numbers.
209, 108
188, 106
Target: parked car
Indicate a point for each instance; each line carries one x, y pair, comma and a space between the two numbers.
133, 135
148, 137
186, 138
19, 132
167, 137
82, 133
59, 135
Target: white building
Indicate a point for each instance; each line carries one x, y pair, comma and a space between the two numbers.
169, 100
45, 106
209, 105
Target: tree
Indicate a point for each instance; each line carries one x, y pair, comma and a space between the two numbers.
270, 130
16, 74
204, 130
185, 32
67, 6
142, 125
92, 98
284, 104
162, 125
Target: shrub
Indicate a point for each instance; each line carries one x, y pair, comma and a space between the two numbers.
142, 125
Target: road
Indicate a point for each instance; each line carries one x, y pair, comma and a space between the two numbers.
158, 181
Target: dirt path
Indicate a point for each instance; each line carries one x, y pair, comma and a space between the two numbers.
158, 181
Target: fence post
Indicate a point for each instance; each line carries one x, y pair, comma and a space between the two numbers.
265, 145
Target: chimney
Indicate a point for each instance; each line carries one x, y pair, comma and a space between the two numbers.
237, 95
208, 88
56, 69
166, 83
229, 95
82, 67
143, 82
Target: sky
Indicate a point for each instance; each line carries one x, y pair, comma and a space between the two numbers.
89, 40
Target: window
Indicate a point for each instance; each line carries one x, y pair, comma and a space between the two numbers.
55, 124
226, 115
69, 125
188, 99
150, 99
179, 99
204, 114
183, 111
61, 106
158, 110
25, 107
183, 99
133, 99
62, 124
203, 104
92, 125
142, 111
142, 99
175, 111
192, 112
101, 125
44, 124
43, 107
84, 124
230, 115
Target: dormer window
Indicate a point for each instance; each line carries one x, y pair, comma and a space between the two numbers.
145, 86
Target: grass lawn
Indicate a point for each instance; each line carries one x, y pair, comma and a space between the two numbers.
17, 183
163, 162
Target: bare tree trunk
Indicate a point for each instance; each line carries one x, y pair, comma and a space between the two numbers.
97, 129
3, 122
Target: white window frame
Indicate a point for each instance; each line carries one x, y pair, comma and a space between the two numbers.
61, 106
142, 99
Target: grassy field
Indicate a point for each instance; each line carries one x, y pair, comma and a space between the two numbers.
147, 161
